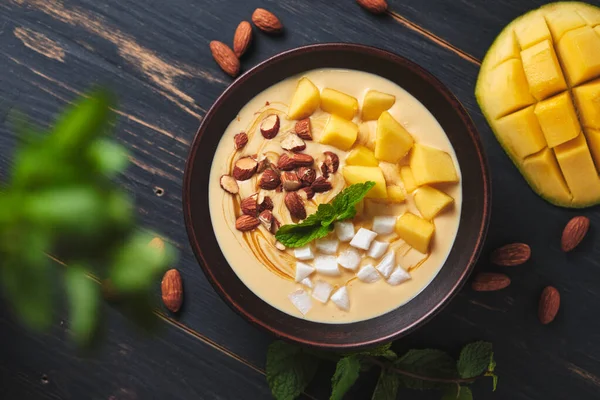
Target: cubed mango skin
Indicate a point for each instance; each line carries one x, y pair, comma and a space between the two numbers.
340, 133
392, 141
305, 101
531, 30
558, 119
360, 155
587, 100
542, 70
338, 103
375, 103
578, 51
521, 132
578, 168
544, 175
430, 201
430, 165
359, 174
415, 231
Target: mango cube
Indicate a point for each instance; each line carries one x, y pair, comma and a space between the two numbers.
360, 155
511, 92
338, 103
561, 21
339, 132
430, 202
391, 173
578, 51
587, 99
545, 176
504, 50
430, 165
360, 174
365, 136
415, 231
542, 70
521, 133
558, 119
407, 179
396, 194
532, 30
578, 169
589, 13
392, 142
305, 101
375, 103
593, 141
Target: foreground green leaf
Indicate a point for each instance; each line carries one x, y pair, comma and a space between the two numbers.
346, 373
84, 298
427, 363
387, 386
289, 370
474, 360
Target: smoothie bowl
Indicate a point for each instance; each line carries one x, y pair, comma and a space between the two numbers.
337, 195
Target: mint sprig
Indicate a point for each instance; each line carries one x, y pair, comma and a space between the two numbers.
320, 224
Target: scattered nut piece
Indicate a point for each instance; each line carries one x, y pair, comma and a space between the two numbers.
321, 185
292, 142
290, 181
302, 160
240, 140
280, 246
225, 57
229, 184
269, 180
244, 168
374, 6
249, 205
172, 290
269, 127
286, 163
489, 282
275, 225
511, 255
266, 21
266, 219
306, 193
304, 129
294, 204
242, 38
574, 233
549, 305
266, 204
307, 175
331, 164
246, 223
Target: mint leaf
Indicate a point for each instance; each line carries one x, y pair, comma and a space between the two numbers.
429, 363
346, 373
84, 301
458, 393
475, 359
298, 236
289, 370
387, 386
381, 351
344, 203
490, 372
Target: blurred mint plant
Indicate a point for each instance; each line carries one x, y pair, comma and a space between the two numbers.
61, 199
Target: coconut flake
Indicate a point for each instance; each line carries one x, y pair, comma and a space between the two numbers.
303, 270
304, 253
321, 291
368, 274
398, 276
341, 298
387, 264
384, 224
328, 245
326, 265
344, 230
307, 282
350, 259
377, 249
363, 238
301, 300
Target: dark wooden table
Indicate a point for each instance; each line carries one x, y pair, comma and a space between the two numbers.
154, 54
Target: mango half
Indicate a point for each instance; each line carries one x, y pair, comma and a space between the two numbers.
539, 89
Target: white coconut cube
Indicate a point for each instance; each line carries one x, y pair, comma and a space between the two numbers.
326, 265
307, 282
344, 230
398, 276
327, 245
368, 274
304, 253
363, 238
301, 300
387, 264
303, 270
350, 259
384, 225
377, 249
321, 291
341, 299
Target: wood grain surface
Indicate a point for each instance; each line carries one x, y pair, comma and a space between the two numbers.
154, 55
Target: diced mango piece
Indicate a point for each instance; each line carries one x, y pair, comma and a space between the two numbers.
360, 174
542, 70
578, 51
578, 169
375, 103
545, 176
430, 165
339, 132
338, 103
532, 30
408, 179
396, 194
392, 142
430, 201
587, 100
415, 231
305, 101
366, 137
593, 141
561, 21
504, 50
360, 155
558, 119
521, 133
511, 92
379, 207
589, 13
391, 173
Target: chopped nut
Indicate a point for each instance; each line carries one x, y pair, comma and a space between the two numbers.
275, 225
266, 219
321, 185
246, 223
266, 204
331, 164
249, 205
294, 204
240, 140
306, 193
290, 181
279, 246
229, 184
293, 143
244, 168
302, 160
307, 175
303, 129
269, 180
269, 127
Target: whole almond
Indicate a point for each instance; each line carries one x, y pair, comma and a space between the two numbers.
549, 305
172, 290
321, 185
246, 223
302, 160
266, 21
286, 163
269, 180
294, 204
249, 205
225, 57
511, 255
374, 6
489, 282
303, 129
307, 175
240, 140
242, 38
290, 181
574, 233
